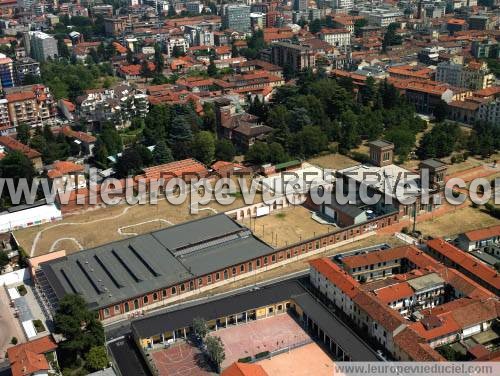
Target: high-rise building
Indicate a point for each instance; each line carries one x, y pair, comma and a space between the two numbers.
474, 75
6, 71
42, 46
25, 67
300, 5
236, 17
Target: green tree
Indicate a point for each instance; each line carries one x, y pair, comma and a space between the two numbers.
215, 349
23, 133
79, 326
440, 111
390, 36
96, 359
224, 150
277, 153
258, 153
129, 163
212, 69
4, 259
315, 26
200, 327
158, 58
203, 147
16, 165
162, 154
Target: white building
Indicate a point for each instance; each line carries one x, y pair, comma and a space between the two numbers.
336, 37
176, 41
381, 17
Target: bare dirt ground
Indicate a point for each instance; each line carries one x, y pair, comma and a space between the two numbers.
288, 226
9, 325
99, 226
333, 161
456, 222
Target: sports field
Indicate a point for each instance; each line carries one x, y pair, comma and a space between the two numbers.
269, 334
181, 359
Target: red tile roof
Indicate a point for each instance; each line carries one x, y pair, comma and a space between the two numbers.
466, 261
410, 342
244, 369
336, 275
382, 314
394, 292
28, 358
179, 169
119, 48
20, 96
62, 168
484, 233
13, 144
82, 136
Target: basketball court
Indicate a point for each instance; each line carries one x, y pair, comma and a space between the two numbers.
181, 359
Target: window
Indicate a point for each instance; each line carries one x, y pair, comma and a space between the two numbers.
209, 278
200, 281
217, 276
242, 268
280, 307
136, 304
117, 309
258, 263
174, 291
270, 310
191, 285
127, 308
145, 299
183, 288
273, 258
265, 260
225, 274
155, 296
164, 293
233, 271
106, 312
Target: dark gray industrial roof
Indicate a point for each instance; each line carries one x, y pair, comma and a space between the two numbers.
433, 162
132, 267
181, 318
350, 209
357, 349
381, 143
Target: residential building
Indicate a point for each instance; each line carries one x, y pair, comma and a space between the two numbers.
5, 128
343, 4
10, 144
236, 17
475, 75
176, 42
465, 263
6, 72
489, 112
194, 7
293, 56
25, 67
66, 175
118, 104
300, 5
42, 46
381, 17
32, 104
36, 357
240, 127
480, 22
340, 38
85, 140
476, 239
485, 49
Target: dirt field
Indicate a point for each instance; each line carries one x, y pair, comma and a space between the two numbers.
287, 226
269, 334
456, 222
333, 161
100, 226
303, 361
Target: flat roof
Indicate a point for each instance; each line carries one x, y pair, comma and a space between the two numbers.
216, 308
357, 349
132, 267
